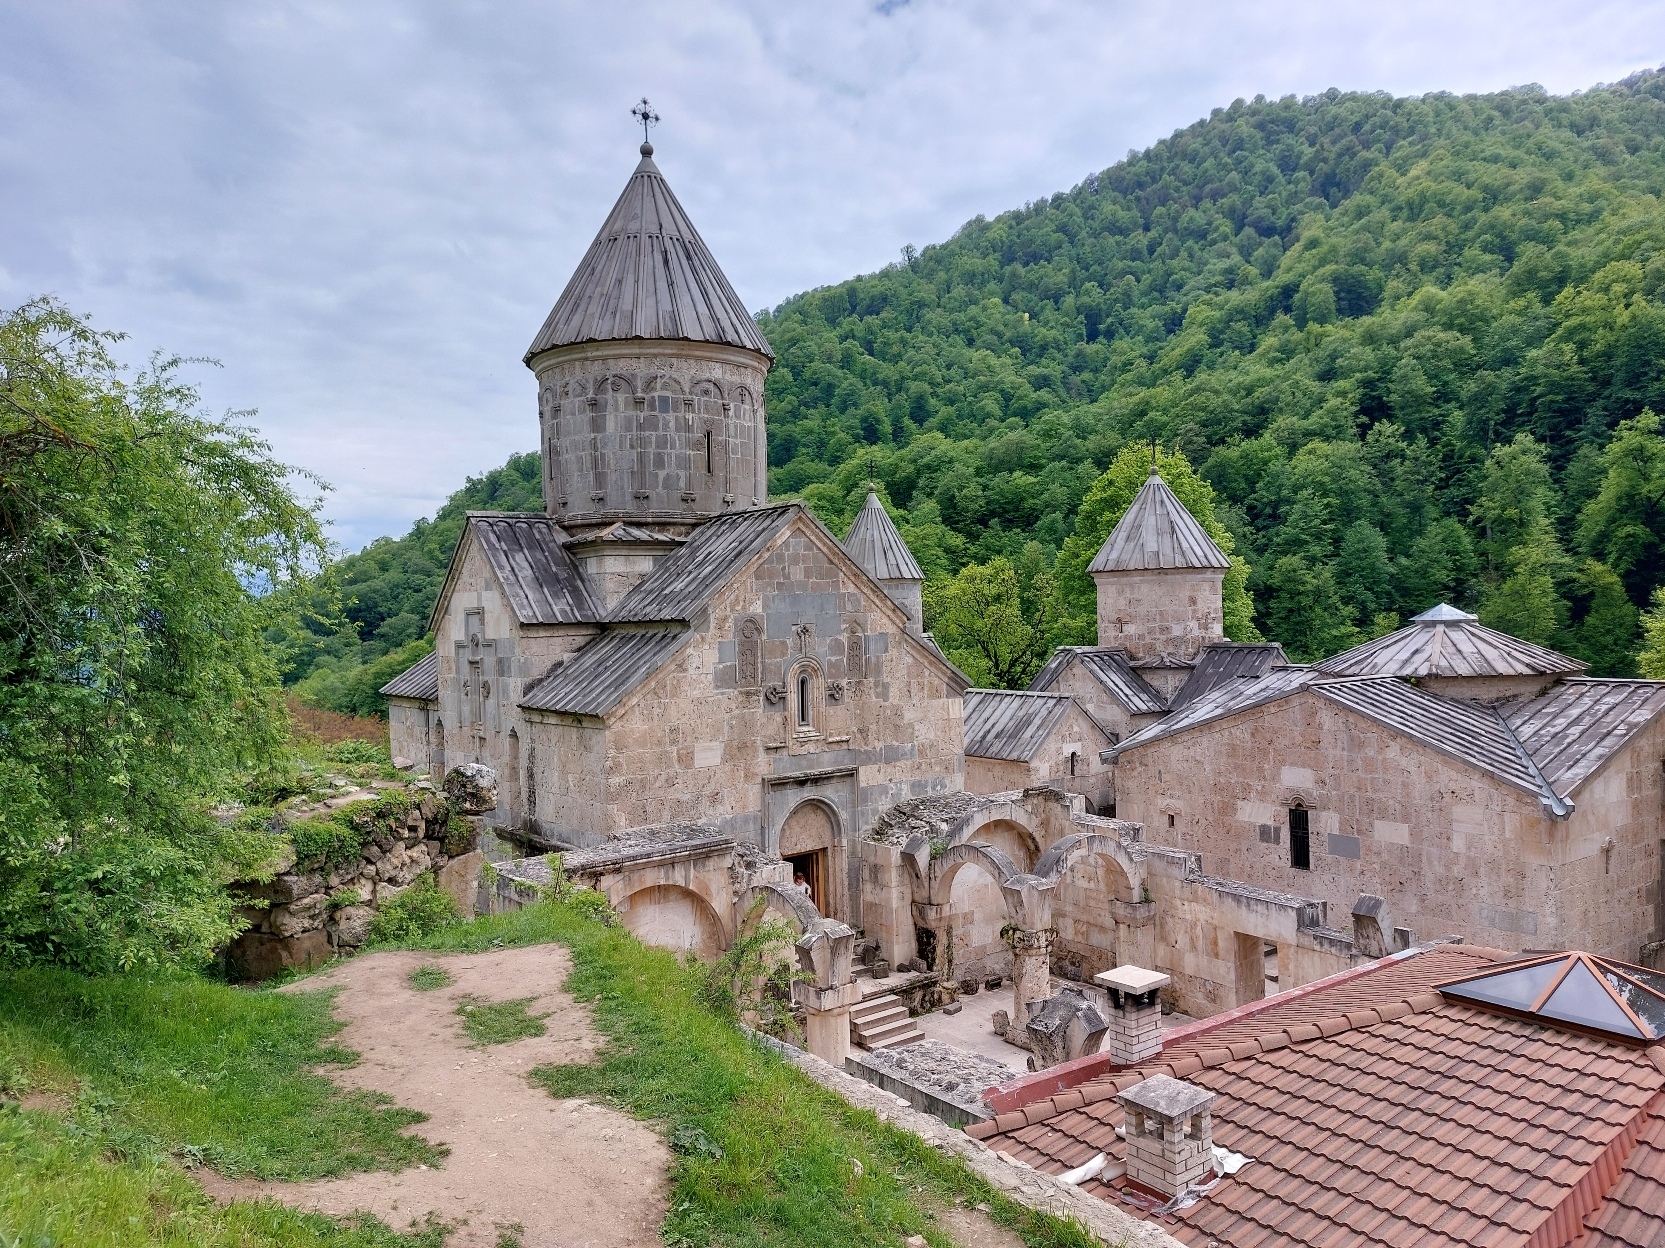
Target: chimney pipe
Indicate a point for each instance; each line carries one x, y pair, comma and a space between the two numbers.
1135, 1033
1170, 1138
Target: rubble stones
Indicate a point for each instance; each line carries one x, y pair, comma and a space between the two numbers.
944, 1071
472, 788
350, 927
934, 817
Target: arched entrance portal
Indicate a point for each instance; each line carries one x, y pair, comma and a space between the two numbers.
807, 839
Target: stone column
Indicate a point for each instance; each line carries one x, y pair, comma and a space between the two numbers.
824, 954
1135, 932
1031, 971
934, 919
1029, 906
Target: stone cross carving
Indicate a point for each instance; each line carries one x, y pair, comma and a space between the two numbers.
750, 656
804, 635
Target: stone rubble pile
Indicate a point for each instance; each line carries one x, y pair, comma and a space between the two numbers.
952, 1074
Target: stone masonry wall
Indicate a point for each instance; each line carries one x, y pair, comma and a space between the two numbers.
702, 740
1453, 850
1160, 613
316, 908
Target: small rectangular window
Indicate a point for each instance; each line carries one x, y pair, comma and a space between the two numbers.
708, 450
1300, 840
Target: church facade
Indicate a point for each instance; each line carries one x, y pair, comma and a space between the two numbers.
698, 696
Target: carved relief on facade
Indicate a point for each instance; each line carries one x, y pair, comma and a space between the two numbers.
749, 652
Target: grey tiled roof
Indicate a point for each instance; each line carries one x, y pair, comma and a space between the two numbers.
420, 680
542, 582
648, 274
682, 583
874, 543
1447, 642
1227, 661
1222, 701
1111, 669
1580, 724
1474, 734
1157, 532
598, 676
1011, 725
1466, 731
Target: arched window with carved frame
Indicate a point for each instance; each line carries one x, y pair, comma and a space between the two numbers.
803, 691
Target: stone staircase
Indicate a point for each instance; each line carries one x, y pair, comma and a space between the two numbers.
882, 1022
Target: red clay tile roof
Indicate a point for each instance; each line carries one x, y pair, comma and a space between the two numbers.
1391, 979
1418, 1121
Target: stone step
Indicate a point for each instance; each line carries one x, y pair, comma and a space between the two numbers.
883, 1000
879, 1018
893, 1037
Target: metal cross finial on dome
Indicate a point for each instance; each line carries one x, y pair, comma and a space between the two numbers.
643, 112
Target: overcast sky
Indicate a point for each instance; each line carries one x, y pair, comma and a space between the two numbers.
364, 209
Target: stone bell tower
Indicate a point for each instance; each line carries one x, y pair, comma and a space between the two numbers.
650, 376
1160, 581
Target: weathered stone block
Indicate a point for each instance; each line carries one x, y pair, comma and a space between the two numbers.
351, 926
258, 955
460, 877
302, 916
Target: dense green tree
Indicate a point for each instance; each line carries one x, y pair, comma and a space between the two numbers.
1651, 660
1624, 525
1528, 603
134, 678
1605, 637
1304, 610
977, 617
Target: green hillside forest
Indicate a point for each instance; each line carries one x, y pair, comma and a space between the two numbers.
1397, 351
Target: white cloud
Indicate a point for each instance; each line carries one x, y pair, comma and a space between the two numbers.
366, 210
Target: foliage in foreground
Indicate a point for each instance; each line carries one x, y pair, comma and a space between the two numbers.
156, 1073
134, 676
763, 1155
751, 981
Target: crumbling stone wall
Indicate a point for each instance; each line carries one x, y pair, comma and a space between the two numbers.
347, 859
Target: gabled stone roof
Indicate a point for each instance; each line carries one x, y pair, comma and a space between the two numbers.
1157, 533
1010, 725
648, 274
1444, 641
542, 583
1224, 662
874, 543
1111, 669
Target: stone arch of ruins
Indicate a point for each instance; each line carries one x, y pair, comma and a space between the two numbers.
673, 917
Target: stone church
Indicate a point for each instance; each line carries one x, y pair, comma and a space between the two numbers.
698, 696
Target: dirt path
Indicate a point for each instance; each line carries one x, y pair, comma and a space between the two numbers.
569, 1174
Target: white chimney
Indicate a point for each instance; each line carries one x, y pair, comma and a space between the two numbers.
1135, 1033
1170, 1141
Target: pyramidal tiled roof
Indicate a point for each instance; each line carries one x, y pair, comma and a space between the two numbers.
1444, 641
874, 543
648, 274
1157, 532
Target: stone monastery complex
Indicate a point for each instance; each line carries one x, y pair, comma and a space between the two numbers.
696, 696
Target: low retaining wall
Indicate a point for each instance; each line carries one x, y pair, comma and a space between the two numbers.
350, 857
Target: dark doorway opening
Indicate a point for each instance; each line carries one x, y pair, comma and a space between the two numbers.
813, 867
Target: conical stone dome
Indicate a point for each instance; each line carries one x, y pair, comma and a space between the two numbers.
650, 376
648, 274
1160, 584
1157, 533
874, 543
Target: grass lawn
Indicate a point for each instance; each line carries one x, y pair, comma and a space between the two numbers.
763, 1153
151, 1075
157, 1074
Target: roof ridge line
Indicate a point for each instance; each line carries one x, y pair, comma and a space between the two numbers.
1206, 1059
1559, 807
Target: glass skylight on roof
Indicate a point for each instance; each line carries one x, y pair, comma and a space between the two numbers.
1573, 989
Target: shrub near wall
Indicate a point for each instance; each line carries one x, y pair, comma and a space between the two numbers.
349, 864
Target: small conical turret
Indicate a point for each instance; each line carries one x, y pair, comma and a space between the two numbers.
1160, 580
875, 544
